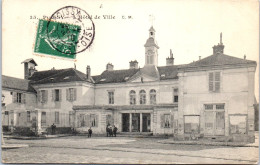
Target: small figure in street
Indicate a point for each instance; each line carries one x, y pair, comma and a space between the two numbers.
107, 130
114, 130
53, 128
89, 132
110, 129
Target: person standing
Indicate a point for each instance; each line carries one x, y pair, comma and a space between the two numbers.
89, 132
107, 130
114, 130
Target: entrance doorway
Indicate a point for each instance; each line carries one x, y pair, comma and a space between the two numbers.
140, 122
214, 119
125, 122
146, 122
135, 122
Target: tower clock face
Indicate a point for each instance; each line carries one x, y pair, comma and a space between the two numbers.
149, 52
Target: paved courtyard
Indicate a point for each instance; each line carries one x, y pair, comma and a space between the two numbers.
80, 149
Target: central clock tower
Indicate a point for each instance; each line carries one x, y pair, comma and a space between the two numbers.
151, 49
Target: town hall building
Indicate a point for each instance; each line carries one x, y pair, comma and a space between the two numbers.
212, 97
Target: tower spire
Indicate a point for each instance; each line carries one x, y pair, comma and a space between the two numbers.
151, 19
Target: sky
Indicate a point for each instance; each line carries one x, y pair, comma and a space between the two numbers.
189, 27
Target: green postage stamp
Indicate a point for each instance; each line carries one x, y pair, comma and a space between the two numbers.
58, 39
68, 32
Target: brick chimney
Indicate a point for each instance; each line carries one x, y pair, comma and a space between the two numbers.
110, 67
133, 64
170, 60
88, 73
218, 49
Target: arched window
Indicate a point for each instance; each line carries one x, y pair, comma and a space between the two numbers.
152, 96
132, 97
142, 95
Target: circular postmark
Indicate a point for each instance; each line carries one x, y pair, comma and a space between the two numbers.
70, 30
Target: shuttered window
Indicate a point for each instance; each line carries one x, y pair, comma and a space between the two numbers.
43, 96
71, 94
56, 95
19, 97
214, 81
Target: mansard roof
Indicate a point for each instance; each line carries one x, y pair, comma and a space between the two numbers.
220, 59
58, 76
12, 83
121, 76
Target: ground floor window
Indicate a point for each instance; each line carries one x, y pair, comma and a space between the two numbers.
82, 120
93, 120
57, 117
191, 124
238, 124
71, 118
43, 119
88, 120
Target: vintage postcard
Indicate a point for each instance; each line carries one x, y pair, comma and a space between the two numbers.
130, 82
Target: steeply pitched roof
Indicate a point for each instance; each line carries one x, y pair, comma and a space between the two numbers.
220, 59
115, 76
58, 76
16, 84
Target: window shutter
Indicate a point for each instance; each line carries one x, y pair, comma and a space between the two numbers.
172, 121
162, 121
52, 95
217, 86
88, 122
46, 96
14, 97
75, 94
217, 76
217, 81
67, 94
23, 98
96, 120
60, 94
211, 81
